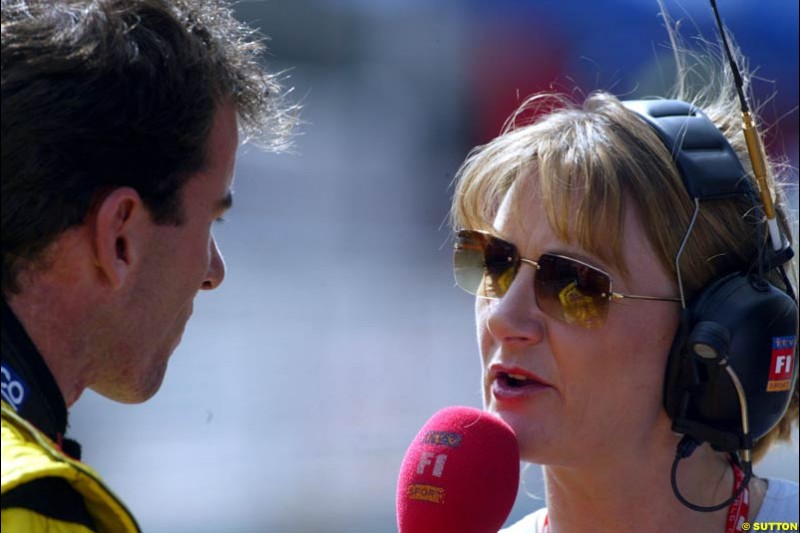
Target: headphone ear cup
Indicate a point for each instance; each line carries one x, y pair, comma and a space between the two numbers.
679, 376
751, 317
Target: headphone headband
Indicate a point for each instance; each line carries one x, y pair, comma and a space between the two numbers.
708, 165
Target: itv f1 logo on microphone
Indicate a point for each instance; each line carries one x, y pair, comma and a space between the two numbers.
780, 371
427, 458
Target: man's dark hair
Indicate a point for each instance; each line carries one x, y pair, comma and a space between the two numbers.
99, 94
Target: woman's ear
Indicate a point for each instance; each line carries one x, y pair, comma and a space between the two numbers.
121, 229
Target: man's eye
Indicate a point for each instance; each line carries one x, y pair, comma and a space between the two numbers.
219, 220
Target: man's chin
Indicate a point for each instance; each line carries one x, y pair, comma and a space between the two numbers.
134, 391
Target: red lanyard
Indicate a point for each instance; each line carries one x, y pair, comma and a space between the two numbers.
737, 512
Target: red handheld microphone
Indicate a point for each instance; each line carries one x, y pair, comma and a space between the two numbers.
460, 474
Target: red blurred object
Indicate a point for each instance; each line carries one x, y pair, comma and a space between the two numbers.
510, 63
460, 474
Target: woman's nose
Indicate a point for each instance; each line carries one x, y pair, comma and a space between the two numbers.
516, 318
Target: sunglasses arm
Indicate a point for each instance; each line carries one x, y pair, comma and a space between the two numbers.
619, 296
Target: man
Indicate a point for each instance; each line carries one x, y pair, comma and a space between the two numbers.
119, 135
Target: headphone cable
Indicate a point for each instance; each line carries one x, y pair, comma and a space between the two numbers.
685, 448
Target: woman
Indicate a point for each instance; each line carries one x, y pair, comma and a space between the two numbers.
591, 195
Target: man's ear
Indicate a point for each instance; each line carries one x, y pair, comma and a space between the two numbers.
121, 230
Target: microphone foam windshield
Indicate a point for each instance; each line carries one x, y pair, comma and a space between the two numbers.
460, 474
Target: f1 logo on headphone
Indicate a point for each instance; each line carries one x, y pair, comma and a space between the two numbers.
780, 371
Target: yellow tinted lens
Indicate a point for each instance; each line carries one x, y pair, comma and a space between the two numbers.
579, 309
571, 291
483, 265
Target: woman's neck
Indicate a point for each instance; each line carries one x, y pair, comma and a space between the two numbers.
632, 492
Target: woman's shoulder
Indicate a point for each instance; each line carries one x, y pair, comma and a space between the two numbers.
532, 523
780, 502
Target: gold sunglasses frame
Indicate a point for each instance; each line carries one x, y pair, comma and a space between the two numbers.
611, 295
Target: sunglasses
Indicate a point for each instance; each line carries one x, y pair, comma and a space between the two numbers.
565, 289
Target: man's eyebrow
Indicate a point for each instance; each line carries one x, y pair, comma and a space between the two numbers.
226, 202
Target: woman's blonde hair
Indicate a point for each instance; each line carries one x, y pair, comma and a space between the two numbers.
587, 162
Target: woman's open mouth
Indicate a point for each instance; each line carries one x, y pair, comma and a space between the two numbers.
514, 384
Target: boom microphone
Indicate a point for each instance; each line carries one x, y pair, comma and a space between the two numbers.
460, 474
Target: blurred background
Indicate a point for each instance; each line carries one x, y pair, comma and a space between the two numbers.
338, 331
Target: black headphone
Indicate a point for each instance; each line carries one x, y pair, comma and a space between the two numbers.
731, 370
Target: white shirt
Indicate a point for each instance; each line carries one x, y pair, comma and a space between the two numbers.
780, 505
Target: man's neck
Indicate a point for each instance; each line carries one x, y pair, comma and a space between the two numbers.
54, 325
632, 492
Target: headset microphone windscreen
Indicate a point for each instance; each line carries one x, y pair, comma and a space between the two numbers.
460, 474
